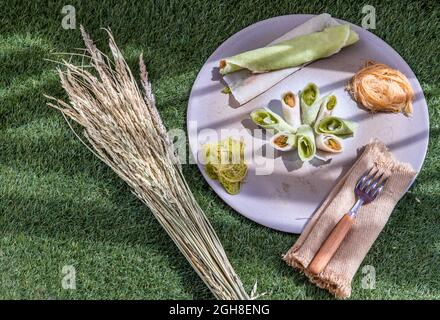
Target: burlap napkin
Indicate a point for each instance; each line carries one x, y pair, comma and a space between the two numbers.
369, 222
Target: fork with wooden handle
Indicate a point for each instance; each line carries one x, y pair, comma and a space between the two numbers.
369, 185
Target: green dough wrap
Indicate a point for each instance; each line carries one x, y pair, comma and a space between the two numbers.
310, 103
267, 119
291, 53
305, 143
336, 126
327, 106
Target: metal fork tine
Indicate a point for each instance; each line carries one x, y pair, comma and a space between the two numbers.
365, 184
379, 189
363, 178
368, 181
361, 181
376, 192
373, 186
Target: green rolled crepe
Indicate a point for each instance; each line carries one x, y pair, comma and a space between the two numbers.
310, 103
327, 106
336, 126
267, 119
293, 52
305, 143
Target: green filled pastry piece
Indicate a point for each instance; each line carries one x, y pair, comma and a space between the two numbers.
305, 143
293, 52
336, 126
267, 119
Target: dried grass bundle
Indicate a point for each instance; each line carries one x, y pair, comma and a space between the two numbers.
126, 132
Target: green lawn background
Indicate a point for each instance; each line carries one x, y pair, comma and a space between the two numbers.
60, 206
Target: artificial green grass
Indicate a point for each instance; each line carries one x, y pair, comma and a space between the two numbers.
60, 206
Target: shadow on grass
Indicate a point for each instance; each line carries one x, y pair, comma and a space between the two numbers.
35, 147
22, 54
120, 219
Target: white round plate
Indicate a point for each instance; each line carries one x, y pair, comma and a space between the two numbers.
285, 199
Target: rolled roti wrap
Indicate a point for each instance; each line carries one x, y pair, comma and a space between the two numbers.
283, 141
328, 105
245, 85
267, 119
336, 126
291, 109
329, 143
310, 103
305, 143
293, 52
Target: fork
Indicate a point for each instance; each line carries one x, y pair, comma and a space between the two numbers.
368, 187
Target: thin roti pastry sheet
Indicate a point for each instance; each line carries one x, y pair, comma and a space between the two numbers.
329, 143
246, 85
328, 105
337, 126
290, 53
291, 113
287, 138
269, 120
310, 103
305, 143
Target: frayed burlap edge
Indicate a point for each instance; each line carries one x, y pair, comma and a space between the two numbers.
384, 158
339, 287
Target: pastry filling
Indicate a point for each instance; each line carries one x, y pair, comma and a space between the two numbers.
309, 95
333, 144
289, 99
281, 141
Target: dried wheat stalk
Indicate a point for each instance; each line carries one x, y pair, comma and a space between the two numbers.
125, 131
